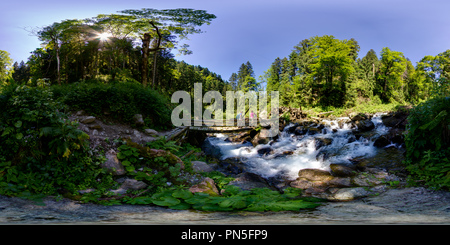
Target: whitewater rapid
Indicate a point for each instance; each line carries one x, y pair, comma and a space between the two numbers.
285, 156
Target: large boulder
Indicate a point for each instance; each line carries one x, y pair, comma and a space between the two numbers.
210, 149
261, 138
318, 180
365, 125
340, 170
312, 174
359, 117
396, 119
381, 141
320, 142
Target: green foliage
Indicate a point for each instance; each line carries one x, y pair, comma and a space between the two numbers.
434, 71
151, 171
121, 100
154, 167
324, 71
162, 144
5, 66
428, 143
41, 150
233, 199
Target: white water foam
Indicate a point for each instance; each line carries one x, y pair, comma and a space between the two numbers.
291, 153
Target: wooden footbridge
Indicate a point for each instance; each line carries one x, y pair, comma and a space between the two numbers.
201, 127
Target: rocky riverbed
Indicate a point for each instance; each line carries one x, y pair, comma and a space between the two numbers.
415, 205
368, 194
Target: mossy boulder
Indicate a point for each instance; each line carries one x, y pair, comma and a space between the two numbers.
206, 186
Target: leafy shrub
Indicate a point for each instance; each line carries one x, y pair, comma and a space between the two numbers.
121, 100
156, 167
40, 151
428, 142
233, 199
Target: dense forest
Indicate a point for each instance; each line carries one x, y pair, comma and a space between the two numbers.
325, 71
133, 46
124, 64
138, 46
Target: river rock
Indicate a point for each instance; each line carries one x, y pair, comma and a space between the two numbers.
199, 166
210, 149
248, 181
241, 137
299, 130
396, 136
233, 165
314, 174
320, 142
382, 141
264, 150
365, 125
340, 170
304, 184
347, 194
151, 132
339, 182
313, 131
138, 120
88, 120
130, 184
396, 119
80, 113
206, 186
112, 163
359, 117
95, 126
261, 138
365, 180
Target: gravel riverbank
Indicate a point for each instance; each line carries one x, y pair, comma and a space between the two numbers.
396, 206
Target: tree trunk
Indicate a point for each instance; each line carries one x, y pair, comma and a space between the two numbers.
58, 75
145, 51
155, 50
154, 68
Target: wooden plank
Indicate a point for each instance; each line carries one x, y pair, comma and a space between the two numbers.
176, 134
219, 130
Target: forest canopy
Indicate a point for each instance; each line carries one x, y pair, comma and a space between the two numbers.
325, 71
138, 46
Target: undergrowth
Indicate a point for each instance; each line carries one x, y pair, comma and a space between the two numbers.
121, 101
428, 143
41, 152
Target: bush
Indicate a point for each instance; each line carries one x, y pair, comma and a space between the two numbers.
428, 143
121, 100
41, 151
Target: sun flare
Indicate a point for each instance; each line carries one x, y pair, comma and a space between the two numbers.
104, 36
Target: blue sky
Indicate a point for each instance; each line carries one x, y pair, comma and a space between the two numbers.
256, 30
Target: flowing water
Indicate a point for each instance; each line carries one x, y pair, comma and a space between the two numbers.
335, 142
